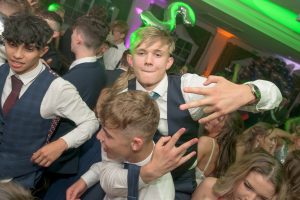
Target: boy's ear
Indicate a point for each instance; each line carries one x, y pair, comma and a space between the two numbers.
170, 62
129, 60
56, 34
123, 35
259, 138
80, 38
43, 51
137, 144
77, 37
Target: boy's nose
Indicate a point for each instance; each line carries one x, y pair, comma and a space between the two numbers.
148, 60
18, 53
251, 196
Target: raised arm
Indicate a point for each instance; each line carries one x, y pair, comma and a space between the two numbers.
224, 97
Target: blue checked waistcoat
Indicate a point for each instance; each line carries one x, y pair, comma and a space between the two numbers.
23, 131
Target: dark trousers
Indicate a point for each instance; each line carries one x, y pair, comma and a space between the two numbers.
90, 153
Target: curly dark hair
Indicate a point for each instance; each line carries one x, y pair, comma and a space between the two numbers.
27, 29
94, 31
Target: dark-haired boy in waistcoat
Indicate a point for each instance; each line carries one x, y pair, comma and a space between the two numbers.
31, 97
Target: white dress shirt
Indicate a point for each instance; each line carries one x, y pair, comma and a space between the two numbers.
61, 99
113, 180
83, 60
2, 54
113, 55
270, 97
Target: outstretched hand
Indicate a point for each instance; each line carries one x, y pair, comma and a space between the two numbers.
224, 97
167, 156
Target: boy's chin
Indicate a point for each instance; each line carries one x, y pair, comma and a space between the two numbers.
115, 158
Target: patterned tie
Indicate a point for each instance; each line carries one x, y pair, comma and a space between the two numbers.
54, 124
154, 95
14, 94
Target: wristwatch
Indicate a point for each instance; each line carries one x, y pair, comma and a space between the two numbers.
255, 91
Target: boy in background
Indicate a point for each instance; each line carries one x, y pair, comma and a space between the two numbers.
87, 74
52, 56
117, 37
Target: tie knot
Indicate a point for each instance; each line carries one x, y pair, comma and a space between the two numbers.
16, 83
154, 95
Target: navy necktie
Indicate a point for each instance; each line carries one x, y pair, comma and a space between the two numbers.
12, 98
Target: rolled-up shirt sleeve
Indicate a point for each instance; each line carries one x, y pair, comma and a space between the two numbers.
270, 96
193, 80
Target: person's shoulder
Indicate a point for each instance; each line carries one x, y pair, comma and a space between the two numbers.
209, 182
62, 83
204, 190
205, 142
205, 139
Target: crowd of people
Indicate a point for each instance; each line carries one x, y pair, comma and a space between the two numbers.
82, 117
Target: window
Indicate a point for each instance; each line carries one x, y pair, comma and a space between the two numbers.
181, 53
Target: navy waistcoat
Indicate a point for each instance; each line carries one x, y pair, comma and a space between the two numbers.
177, 119
23, 130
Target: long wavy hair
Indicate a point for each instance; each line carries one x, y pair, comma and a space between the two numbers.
227, 139
260, 162
292, 171
249, 136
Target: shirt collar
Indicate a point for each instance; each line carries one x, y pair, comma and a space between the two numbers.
146, 160
28, 76
83, 60
160, 89
120, 44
